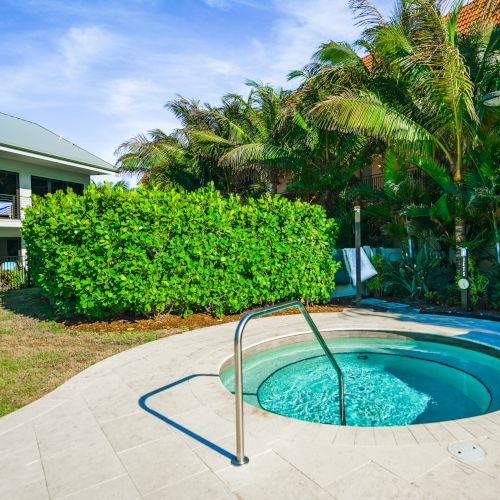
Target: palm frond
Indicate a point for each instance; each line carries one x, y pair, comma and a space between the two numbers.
437, 172
251, 155
336, 53
209, 143
441, 209
367, 15
364, 113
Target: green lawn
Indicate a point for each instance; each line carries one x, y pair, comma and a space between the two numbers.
37, 354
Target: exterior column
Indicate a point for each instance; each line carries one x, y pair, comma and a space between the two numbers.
24, 191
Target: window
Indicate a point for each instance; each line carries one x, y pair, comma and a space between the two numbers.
9, 247
41, 186
77, 188
13, 246
57, 185
8, 182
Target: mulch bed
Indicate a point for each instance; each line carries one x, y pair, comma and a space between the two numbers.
172, 321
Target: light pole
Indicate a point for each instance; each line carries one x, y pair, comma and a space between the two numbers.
357, 244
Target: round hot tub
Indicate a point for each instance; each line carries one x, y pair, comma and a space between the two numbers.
389, 379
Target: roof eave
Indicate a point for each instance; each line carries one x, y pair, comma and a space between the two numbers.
91, 169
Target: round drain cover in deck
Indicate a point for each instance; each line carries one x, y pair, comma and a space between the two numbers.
467, 451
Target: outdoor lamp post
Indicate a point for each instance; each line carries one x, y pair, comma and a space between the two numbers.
463, 282
357, 244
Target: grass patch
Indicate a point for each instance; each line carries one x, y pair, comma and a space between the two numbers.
37, 353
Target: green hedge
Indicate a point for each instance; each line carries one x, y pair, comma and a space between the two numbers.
148, 251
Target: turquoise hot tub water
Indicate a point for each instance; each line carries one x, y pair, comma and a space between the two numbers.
388, 381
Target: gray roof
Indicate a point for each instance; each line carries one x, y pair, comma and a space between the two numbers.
28, 136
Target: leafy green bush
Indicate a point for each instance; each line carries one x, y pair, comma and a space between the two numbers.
149, 251
10, 279
493, 276
412, 274
376, 284
478, 283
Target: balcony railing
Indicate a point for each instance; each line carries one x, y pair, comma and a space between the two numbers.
9, 206
13, 273
377, 181
373, 181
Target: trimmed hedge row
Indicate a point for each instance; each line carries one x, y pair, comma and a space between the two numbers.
148, 251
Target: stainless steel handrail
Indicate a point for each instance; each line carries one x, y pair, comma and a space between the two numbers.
240, 458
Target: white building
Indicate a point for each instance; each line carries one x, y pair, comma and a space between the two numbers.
34, 160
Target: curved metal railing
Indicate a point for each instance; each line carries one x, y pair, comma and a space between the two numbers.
240, 458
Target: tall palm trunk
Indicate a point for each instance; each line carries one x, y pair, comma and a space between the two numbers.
460, 225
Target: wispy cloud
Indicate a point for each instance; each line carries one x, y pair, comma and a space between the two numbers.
84, 47
226, 4
218, 4
100, 73
298, 31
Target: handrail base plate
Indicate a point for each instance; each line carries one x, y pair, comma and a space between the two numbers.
234, 461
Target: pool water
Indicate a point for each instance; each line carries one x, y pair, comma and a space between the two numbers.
388, 381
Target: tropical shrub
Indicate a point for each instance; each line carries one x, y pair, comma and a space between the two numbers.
148, 251
10, 279
376, 284
412, 273
478, 283
493, 276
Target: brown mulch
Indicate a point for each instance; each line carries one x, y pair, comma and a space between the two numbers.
172, 321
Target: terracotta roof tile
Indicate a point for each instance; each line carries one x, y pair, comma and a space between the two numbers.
472, 12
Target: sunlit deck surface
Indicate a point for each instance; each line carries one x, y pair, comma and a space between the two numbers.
155, 422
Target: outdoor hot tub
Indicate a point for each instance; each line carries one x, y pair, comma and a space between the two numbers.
390, 378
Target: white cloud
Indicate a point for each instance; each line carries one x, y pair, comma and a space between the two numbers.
225, 4
126, 95
301, 28
82, 47
217, 4
220, 66
98, 83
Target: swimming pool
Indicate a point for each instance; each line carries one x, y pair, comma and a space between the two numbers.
390, 379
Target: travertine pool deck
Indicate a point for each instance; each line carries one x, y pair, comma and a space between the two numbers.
91, 439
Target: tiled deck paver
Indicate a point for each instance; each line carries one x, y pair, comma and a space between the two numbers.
90, 438
453, 479
372, 482
203, 485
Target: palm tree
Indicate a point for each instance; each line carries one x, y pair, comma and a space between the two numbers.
241, 145
423, 93
482, 183
248, 137
159, 159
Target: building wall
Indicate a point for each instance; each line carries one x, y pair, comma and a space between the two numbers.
26, 170
10, 228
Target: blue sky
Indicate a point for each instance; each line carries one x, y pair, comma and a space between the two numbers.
99, 72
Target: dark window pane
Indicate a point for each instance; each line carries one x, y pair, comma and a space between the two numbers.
39, 185
57, 185
8, 182
13, 246
77, 188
